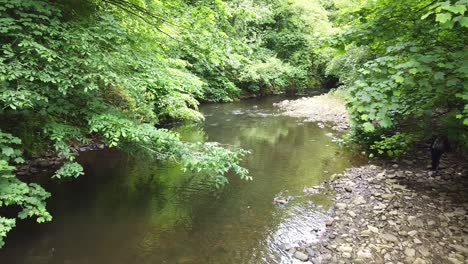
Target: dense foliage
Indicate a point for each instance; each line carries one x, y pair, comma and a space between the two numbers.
74, 72
404, 64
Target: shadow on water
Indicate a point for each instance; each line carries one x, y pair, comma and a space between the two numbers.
126, 210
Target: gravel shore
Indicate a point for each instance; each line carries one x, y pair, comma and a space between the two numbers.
389, 213
398, 213
325, 108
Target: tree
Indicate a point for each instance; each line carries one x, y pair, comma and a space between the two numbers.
410, 74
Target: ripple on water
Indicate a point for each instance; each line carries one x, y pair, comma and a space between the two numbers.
300, 225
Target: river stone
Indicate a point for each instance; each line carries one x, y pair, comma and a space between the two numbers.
359, 200
387, 196
345, 249
310, 252
410, 252
398, 186
358, 260
366, 233
419, 261
301, 256
461, 249
341, 205
460, 211
352, 214
389, 237
287, 246
364, 253
454, 261
44, 163
373, 229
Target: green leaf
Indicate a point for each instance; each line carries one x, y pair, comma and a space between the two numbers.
8, 151
439, 76
463, 22
456, 9
385, 122
399, 79
396, 93
368, 127
443, 17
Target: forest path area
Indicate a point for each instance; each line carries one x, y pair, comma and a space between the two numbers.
397, 212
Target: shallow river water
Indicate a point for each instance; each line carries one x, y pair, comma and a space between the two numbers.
126, 210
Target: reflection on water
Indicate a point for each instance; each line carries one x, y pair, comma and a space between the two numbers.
127, 210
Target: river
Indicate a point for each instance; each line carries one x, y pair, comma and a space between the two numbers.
132, 210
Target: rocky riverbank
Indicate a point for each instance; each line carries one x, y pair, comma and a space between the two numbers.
396, 213
393, 213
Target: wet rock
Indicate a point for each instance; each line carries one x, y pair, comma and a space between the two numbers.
44, 163
278, 200
21, 172
301, 256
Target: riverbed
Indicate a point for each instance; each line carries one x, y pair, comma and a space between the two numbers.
133, 210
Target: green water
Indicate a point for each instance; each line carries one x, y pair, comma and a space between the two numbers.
126, 210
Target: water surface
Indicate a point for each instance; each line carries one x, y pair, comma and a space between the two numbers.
127, 210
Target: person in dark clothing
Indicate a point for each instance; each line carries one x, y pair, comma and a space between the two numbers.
439, 146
